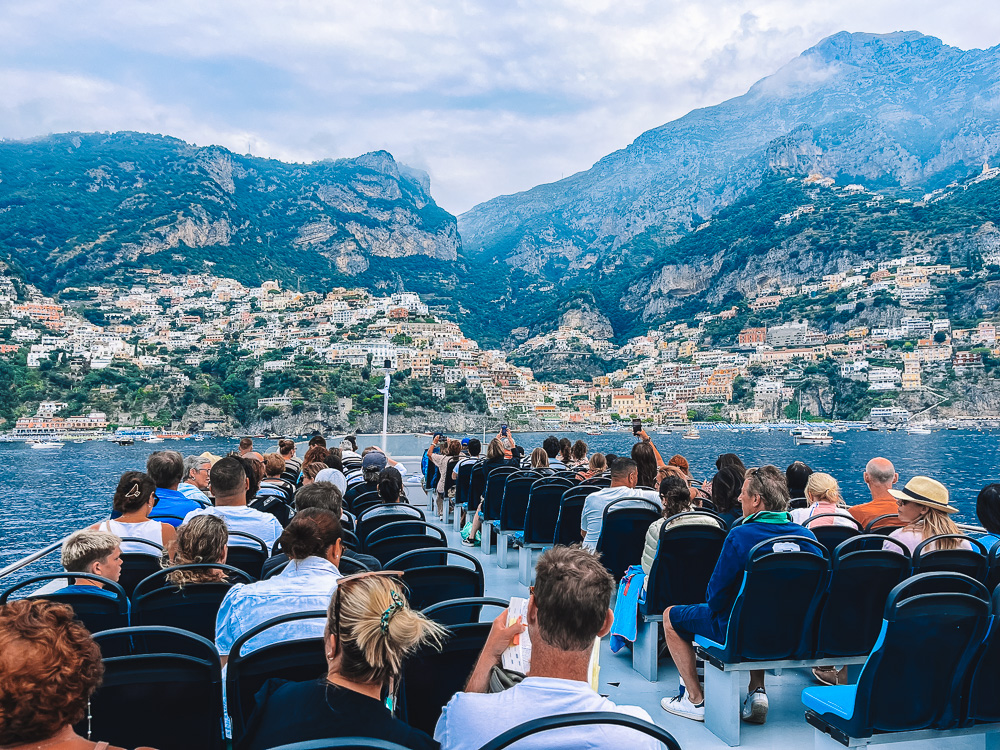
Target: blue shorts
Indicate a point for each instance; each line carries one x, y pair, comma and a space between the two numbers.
689, 620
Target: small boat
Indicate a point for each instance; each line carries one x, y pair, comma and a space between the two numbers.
916, 430
153, 440
692, 435
761, 429
45, 443
594, 432
814, 437
124, 441
79, 442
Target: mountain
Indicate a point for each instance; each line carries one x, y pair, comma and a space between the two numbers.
899, 112
77, 206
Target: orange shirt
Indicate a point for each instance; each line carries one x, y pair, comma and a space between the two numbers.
868, 512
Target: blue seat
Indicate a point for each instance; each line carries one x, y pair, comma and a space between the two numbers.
861, 578
96, 611
568, 524
463, 485
139, 565
393, 539
623, 532
297, 660
984, 683
993, 576
941, 614
492, 500
540, 517
160, 698
431, 677
581, 719
973, 562
600, 482
274, 503
512, 509
882, 524
433, 583
193, 607
382, 514
343, 743
363, 501
832, 535
248, 557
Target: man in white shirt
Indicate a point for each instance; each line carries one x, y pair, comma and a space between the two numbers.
568, 579
624, 477
230, 485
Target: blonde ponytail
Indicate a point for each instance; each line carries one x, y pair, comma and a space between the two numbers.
822, 487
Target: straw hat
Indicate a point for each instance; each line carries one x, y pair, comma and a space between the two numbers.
925, 491
210, 457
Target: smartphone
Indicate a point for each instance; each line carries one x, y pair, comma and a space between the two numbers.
503, 430
636, 426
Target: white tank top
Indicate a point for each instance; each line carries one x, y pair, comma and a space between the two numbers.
150, 530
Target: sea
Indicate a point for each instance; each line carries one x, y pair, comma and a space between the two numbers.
47, 494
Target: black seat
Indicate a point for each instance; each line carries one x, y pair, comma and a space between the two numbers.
164, 699
297, 660
139, 565
360, 493
971, 562
515, 499
861, 577
192, 607
274, 504
833, 534
463, 485
95, 610
393, 539
984, 682
542, 511
343, 743
548, 723
431, 584
248, 559
600, 482
623, 533
477, 485
686, 554
993, 577
568, 523
569, 474
882, 524
291, 476
385, 513
431, 677
493, 493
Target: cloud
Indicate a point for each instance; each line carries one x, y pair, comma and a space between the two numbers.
489, 98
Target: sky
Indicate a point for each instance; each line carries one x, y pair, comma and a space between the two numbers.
489, 97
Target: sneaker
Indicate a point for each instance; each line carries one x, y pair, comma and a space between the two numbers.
468, 542
827, 675
681, 705
755, 707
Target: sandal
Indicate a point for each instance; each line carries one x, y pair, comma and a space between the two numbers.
827, 675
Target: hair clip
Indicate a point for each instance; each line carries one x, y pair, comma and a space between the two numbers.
397, 604
134, 492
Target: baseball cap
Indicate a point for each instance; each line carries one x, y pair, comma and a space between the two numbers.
374, 460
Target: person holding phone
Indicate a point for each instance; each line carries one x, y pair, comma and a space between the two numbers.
646, 457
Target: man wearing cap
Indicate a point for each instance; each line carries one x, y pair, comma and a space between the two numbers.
924, 510
880, 475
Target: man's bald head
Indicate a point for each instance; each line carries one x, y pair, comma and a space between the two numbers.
880, 473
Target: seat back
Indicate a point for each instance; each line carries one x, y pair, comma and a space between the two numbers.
883, 524
138, 565
459, 576
574, 722
984, 681
477, 484
686, 555
394, 546
161, 698
363, 501
941, 614
386, 513
275, 504
831, 535
971, 562
297, 660
464, 482
568, 523
433, 475
493, 494
515, 499
772, 616
623, 533
248, 559
993, 576
599, 482
96, 611
291, 476
192, 607
861, 576
542, 511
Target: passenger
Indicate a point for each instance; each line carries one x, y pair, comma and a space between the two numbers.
724, 459
764, 499
166, 469
313, 544
315, 453
246, 446
823, 496
879, 475
349, 448
474, 448
202, 540
286, 448
317, 439
924, 509
386, 459
681, 463
335, 459
196, 485
96, 552
495, 458
390, 486
371, 466
540, 461
370, 631
445, 461
565, 451
726, 488
797, 474
230, 484
254, 469
624, 476
135, 498
333, 476
676, 498
50, 666
567, 580
551, 447
578, 456
988, 513
311, 470
595, 468
647, 460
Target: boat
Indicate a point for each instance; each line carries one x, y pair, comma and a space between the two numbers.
692, 435
153, 439
814, 437
123, 441
594, 432
917, 430
44, 444
761, 429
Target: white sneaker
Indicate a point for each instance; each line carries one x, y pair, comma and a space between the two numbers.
755, 707
681, 705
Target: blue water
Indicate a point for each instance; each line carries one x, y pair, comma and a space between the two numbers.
47, 494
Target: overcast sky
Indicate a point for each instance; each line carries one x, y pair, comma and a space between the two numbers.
488, 96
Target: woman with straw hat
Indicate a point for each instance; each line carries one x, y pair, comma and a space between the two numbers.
925, 510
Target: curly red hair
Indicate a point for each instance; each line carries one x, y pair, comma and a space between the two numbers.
50, 667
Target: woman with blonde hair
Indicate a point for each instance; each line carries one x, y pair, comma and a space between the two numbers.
822, 497
203, 539
925, 510
370, 630
540, 461
595, 468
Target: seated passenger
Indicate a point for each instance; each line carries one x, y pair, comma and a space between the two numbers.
988, 513
134, 501
445, 461
96, 552
495, 458
390, 486
166, 469
370, 630
797, 475
624, 475
764, 499
578, 456
332, 476
676, 498
924, 509
286, 448
823, 496
204, 539
879, 475
371, 466
229, 485
196, 484
540, 461
726, 488
272, 483
595, 467
567, 579
313, 544
50, 666
311, 470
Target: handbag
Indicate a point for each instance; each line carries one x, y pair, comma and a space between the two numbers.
503, 679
